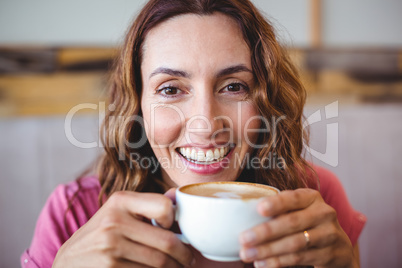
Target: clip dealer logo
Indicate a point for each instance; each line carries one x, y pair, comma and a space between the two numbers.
328, 156
331, 154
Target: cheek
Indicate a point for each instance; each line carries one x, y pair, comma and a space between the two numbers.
250, 124
163, 124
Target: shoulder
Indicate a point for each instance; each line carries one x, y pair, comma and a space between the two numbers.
74, 203
333, 193
81, 186
83, 191
67, 208
329, 184
77, 201
330, 187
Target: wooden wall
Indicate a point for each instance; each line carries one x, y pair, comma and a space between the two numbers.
42, 81
48, 81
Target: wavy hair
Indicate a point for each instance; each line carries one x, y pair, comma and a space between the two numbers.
278, 94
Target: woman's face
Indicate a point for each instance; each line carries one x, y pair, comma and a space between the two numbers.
199, 119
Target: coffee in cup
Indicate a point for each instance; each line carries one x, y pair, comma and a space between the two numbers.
212, 215
232, 190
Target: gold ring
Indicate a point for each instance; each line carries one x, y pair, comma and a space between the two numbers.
307, 237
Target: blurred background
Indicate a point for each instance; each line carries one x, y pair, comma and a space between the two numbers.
54, 55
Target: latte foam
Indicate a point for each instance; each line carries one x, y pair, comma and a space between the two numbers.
229, 190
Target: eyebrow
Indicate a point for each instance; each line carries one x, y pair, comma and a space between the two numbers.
172, 72
224, 72
234, 69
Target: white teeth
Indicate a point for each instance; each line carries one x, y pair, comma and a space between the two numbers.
209, 156
200, 156
217, 154
193, 154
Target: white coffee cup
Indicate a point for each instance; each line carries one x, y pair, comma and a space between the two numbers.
212, 215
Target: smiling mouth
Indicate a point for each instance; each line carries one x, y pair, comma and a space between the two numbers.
204, 157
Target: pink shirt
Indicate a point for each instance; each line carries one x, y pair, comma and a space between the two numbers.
55, 225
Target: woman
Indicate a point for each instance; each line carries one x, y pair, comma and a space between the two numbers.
200, 91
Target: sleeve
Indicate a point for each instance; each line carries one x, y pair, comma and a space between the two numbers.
68, 208
50, 232
333, 193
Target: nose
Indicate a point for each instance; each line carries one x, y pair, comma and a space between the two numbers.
206, 120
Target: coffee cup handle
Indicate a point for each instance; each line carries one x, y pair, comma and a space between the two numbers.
180, 236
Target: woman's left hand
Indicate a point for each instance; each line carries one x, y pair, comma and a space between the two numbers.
281, 241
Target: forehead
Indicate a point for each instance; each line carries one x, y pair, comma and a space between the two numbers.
206, 39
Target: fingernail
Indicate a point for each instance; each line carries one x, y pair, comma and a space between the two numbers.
248, 237
249, 254
260, 264
266, 206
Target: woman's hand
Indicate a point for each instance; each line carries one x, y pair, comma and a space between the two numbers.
117, 236
281, 242
199, 260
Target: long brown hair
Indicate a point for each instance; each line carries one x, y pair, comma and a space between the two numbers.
278, 93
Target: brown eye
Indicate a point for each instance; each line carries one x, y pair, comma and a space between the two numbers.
234, 87
169, 91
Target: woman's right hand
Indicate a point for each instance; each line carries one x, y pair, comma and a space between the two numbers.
117, 236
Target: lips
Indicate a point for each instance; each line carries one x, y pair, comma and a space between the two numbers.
204, 156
